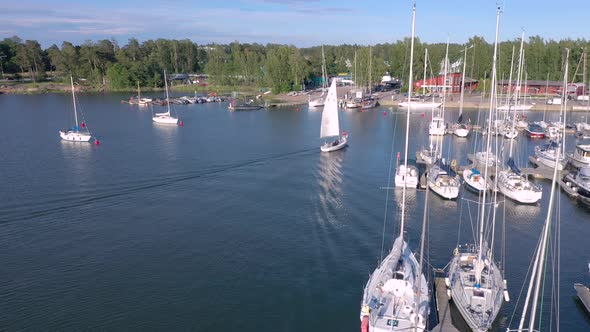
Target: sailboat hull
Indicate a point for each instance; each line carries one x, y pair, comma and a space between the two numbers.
74, 136
479, 306
389, 299
329, 147
515, 187
166, 119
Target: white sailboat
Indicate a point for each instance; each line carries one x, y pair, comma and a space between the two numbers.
441, 180
166, 117
510, 181
76, 134
396, 296
406, 175
475, 281
318, 102
331, 122
421, 103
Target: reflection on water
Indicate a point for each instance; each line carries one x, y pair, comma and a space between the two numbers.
78, 156
167, 137
329, 180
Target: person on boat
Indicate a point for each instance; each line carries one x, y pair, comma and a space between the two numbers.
335, 142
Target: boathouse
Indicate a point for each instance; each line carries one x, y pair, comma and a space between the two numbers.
452, 85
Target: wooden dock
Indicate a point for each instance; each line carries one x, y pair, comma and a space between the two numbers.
443, 308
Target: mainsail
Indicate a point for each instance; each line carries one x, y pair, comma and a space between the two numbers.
330, 124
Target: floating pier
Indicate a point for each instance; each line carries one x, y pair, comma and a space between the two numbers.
445, 323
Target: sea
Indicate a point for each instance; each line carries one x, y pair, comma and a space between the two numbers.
235, 221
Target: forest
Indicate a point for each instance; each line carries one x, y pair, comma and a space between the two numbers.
281, 68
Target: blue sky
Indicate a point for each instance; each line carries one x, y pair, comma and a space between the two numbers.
298, 22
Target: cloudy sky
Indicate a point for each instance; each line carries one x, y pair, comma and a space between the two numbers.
298, 22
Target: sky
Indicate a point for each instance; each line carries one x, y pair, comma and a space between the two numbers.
302, 23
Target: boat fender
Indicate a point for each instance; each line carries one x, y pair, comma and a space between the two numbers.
365, 324
506, 296
454, 163
448, 282
449, 294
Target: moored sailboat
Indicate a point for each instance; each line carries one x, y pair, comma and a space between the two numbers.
79, 133
165, 117
396, 296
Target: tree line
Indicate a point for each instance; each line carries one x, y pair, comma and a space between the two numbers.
279, 67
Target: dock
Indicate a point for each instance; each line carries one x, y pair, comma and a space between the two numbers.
443, 308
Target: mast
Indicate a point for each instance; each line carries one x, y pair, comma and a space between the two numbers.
488, 148
138, 91
446, 69
355, 78
548, 219
463, 80
410, 86
509, 97
518, 83
167, 98
425, 65
324, 71
370, 69
74, 101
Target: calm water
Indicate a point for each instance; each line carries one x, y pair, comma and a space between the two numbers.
234, 221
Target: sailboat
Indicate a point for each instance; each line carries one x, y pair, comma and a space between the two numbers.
320, 100
475, 281
421, 103
165, 117
396, 296
437, 126
142, 101
331, 122
510, 181
406, 175
76, 134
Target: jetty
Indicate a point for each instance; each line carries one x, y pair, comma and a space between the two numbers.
443, 308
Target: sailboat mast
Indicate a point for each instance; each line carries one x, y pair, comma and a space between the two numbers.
370, 67
488, 148
74, 101
509, 97
167, 97
463, 81
410, 86
138, 91
518, 83
446, 69
324, 71
547, 220
425, 65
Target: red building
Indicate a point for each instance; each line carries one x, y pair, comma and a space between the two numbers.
543, 87
453, 84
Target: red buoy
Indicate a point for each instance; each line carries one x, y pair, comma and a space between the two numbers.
181, 123
297, 109
96, 142
422, 115
83, 125
384, 113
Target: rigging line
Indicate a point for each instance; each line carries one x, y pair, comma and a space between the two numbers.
387, 191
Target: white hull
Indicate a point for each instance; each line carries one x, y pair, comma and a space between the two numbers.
329, 147
479, 306
316, 103
547, 158
437, 127
474, 180
409, 177
74, 136
442, 183
164, 119
486, 159
389, 298
428, 156
517, 188
461, 132
581, 156
419, 105
515, 107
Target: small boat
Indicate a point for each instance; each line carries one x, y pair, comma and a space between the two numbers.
579, 181
474, 180
318, 102
407, 176
535, 131
509, 132
243, 107
369, 103
513, 184
331, 123
581, 156
461, 130
165, 117
583, 292
353, 103
437, 126
521, 107
429, 156
77, 133
548, 153
443, 183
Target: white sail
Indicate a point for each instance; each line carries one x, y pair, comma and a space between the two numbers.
330, 122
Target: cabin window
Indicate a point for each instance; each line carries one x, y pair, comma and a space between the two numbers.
478, 293
398, 276
392, 322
